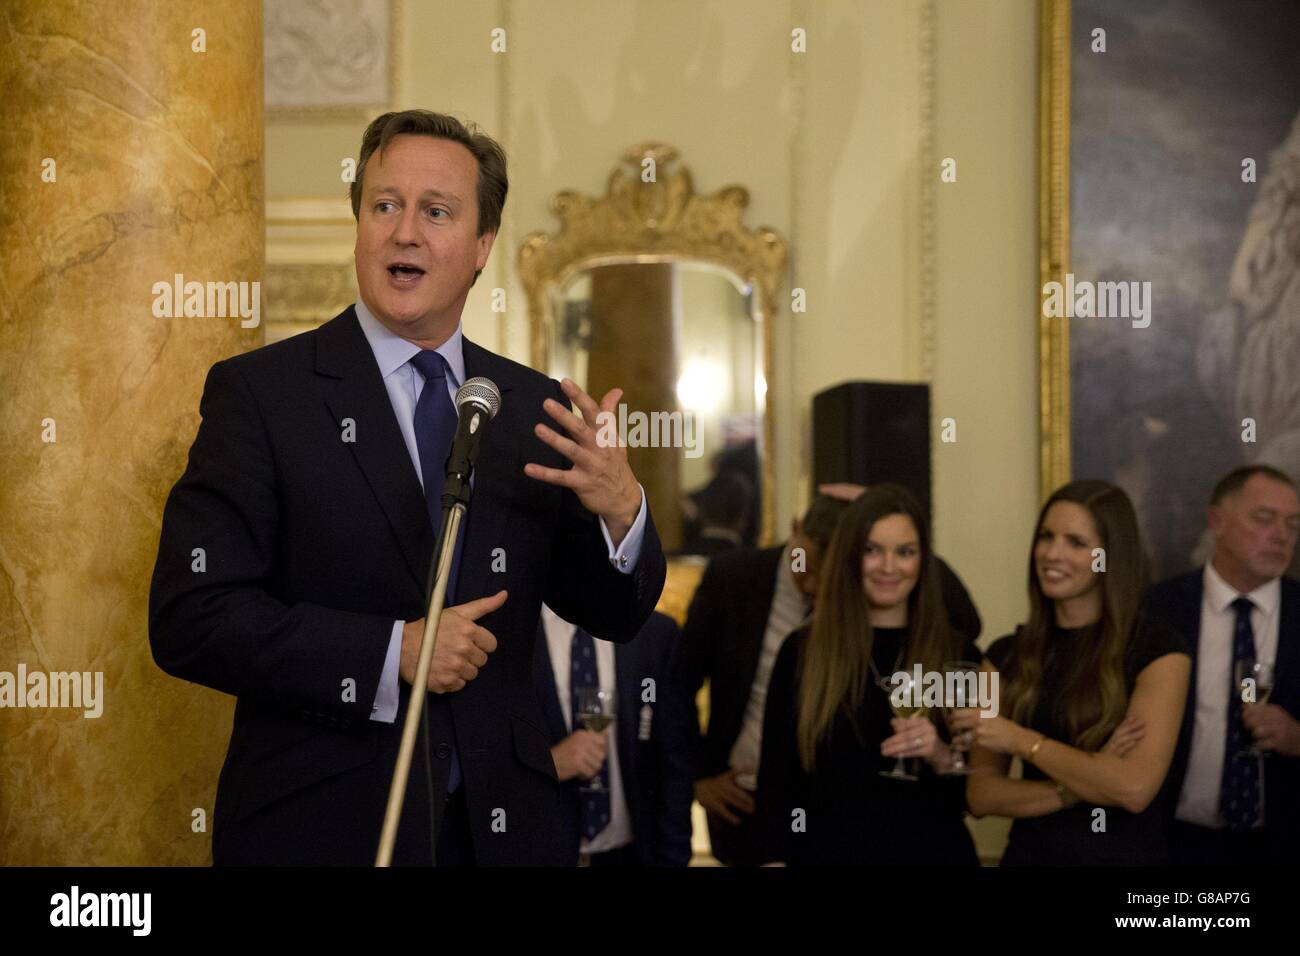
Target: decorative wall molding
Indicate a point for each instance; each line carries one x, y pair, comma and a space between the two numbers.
505, 89
346, 64
789, 417
927, 207
310, 275
308, 293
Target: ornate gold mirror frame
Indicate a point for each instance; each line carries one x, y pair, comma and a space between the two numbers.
651, 213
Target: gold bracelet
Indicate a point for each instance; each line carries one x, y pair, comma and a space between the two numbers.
1034, 749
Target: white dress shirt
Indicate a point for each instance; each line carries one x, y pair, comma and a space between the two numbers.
789, 610
404, 383
559, 642
1199, 801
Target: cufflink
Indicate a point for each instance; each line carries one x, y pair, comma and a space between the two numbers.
622, 560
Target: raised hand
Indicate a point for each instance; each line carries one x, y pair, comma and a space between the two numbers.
600, 476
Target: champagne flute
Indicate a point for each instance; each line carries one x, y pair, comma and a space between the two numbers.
960, 700
910, 707
595, 713
1262, 676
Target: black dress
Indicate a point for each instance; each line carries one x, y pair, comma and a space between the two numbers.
853, 816
1069, 837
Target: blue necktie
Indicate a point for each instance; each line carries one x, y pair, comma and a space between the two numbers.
435, 429
593, 805
1239, 796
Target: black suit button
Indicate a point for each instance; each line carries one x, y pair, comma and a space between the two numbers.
443, 751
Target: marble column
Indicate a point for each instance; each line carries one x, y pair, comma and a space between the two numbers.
131, 153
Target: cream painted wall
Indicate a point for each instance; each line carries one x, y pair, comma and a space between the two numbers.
986, 361
986, 367
830, 144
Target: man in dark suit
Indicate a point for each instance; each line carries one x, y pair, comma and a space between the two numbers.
295, 548
1230, 807
746, 604
643, 814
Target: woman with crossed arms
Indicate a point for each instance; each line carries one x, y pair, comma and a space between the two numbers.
1091, 696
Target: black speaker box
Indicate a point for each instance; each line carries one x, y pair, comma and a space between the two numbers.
869, 432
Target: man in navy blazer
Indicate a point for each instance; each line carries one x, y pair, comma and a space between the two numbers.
650, 770
295, 548
1250, 813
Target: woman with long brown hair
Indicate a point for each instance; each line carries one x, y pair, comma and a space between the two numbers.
829, 735
1092, 695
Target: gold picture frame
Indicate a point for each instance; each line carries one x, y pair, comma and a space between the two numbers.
1053, 241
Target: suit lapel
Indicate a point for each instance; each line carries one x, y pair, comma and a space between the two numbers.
498, 465
628, 724
1194, 597
1286, 685
353, 389
1286, 667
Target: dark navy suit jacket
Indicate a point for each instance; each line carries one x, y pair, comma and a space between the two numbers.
313, 546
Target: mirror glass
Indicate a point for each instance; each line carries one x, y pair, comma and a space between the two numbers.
683, 339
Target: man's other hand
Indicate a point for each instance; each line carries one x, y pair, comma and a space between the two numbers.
461, 649
580, 754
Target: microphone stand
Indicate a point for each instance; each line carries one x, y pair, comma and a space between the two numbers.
451, 520
455, 502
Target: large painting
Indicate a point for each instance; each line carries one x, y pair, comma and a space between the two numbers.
1171, 341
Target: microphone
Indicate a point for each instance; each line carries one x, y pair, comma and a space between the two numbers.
477, 403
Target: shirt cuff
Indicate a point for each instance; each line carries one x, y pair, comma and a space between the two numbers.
386, 698
624, 558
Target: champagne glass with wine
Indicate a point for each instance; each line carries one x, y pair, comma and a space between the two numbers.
595, 713
964, 685
1261, 675
905, 701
